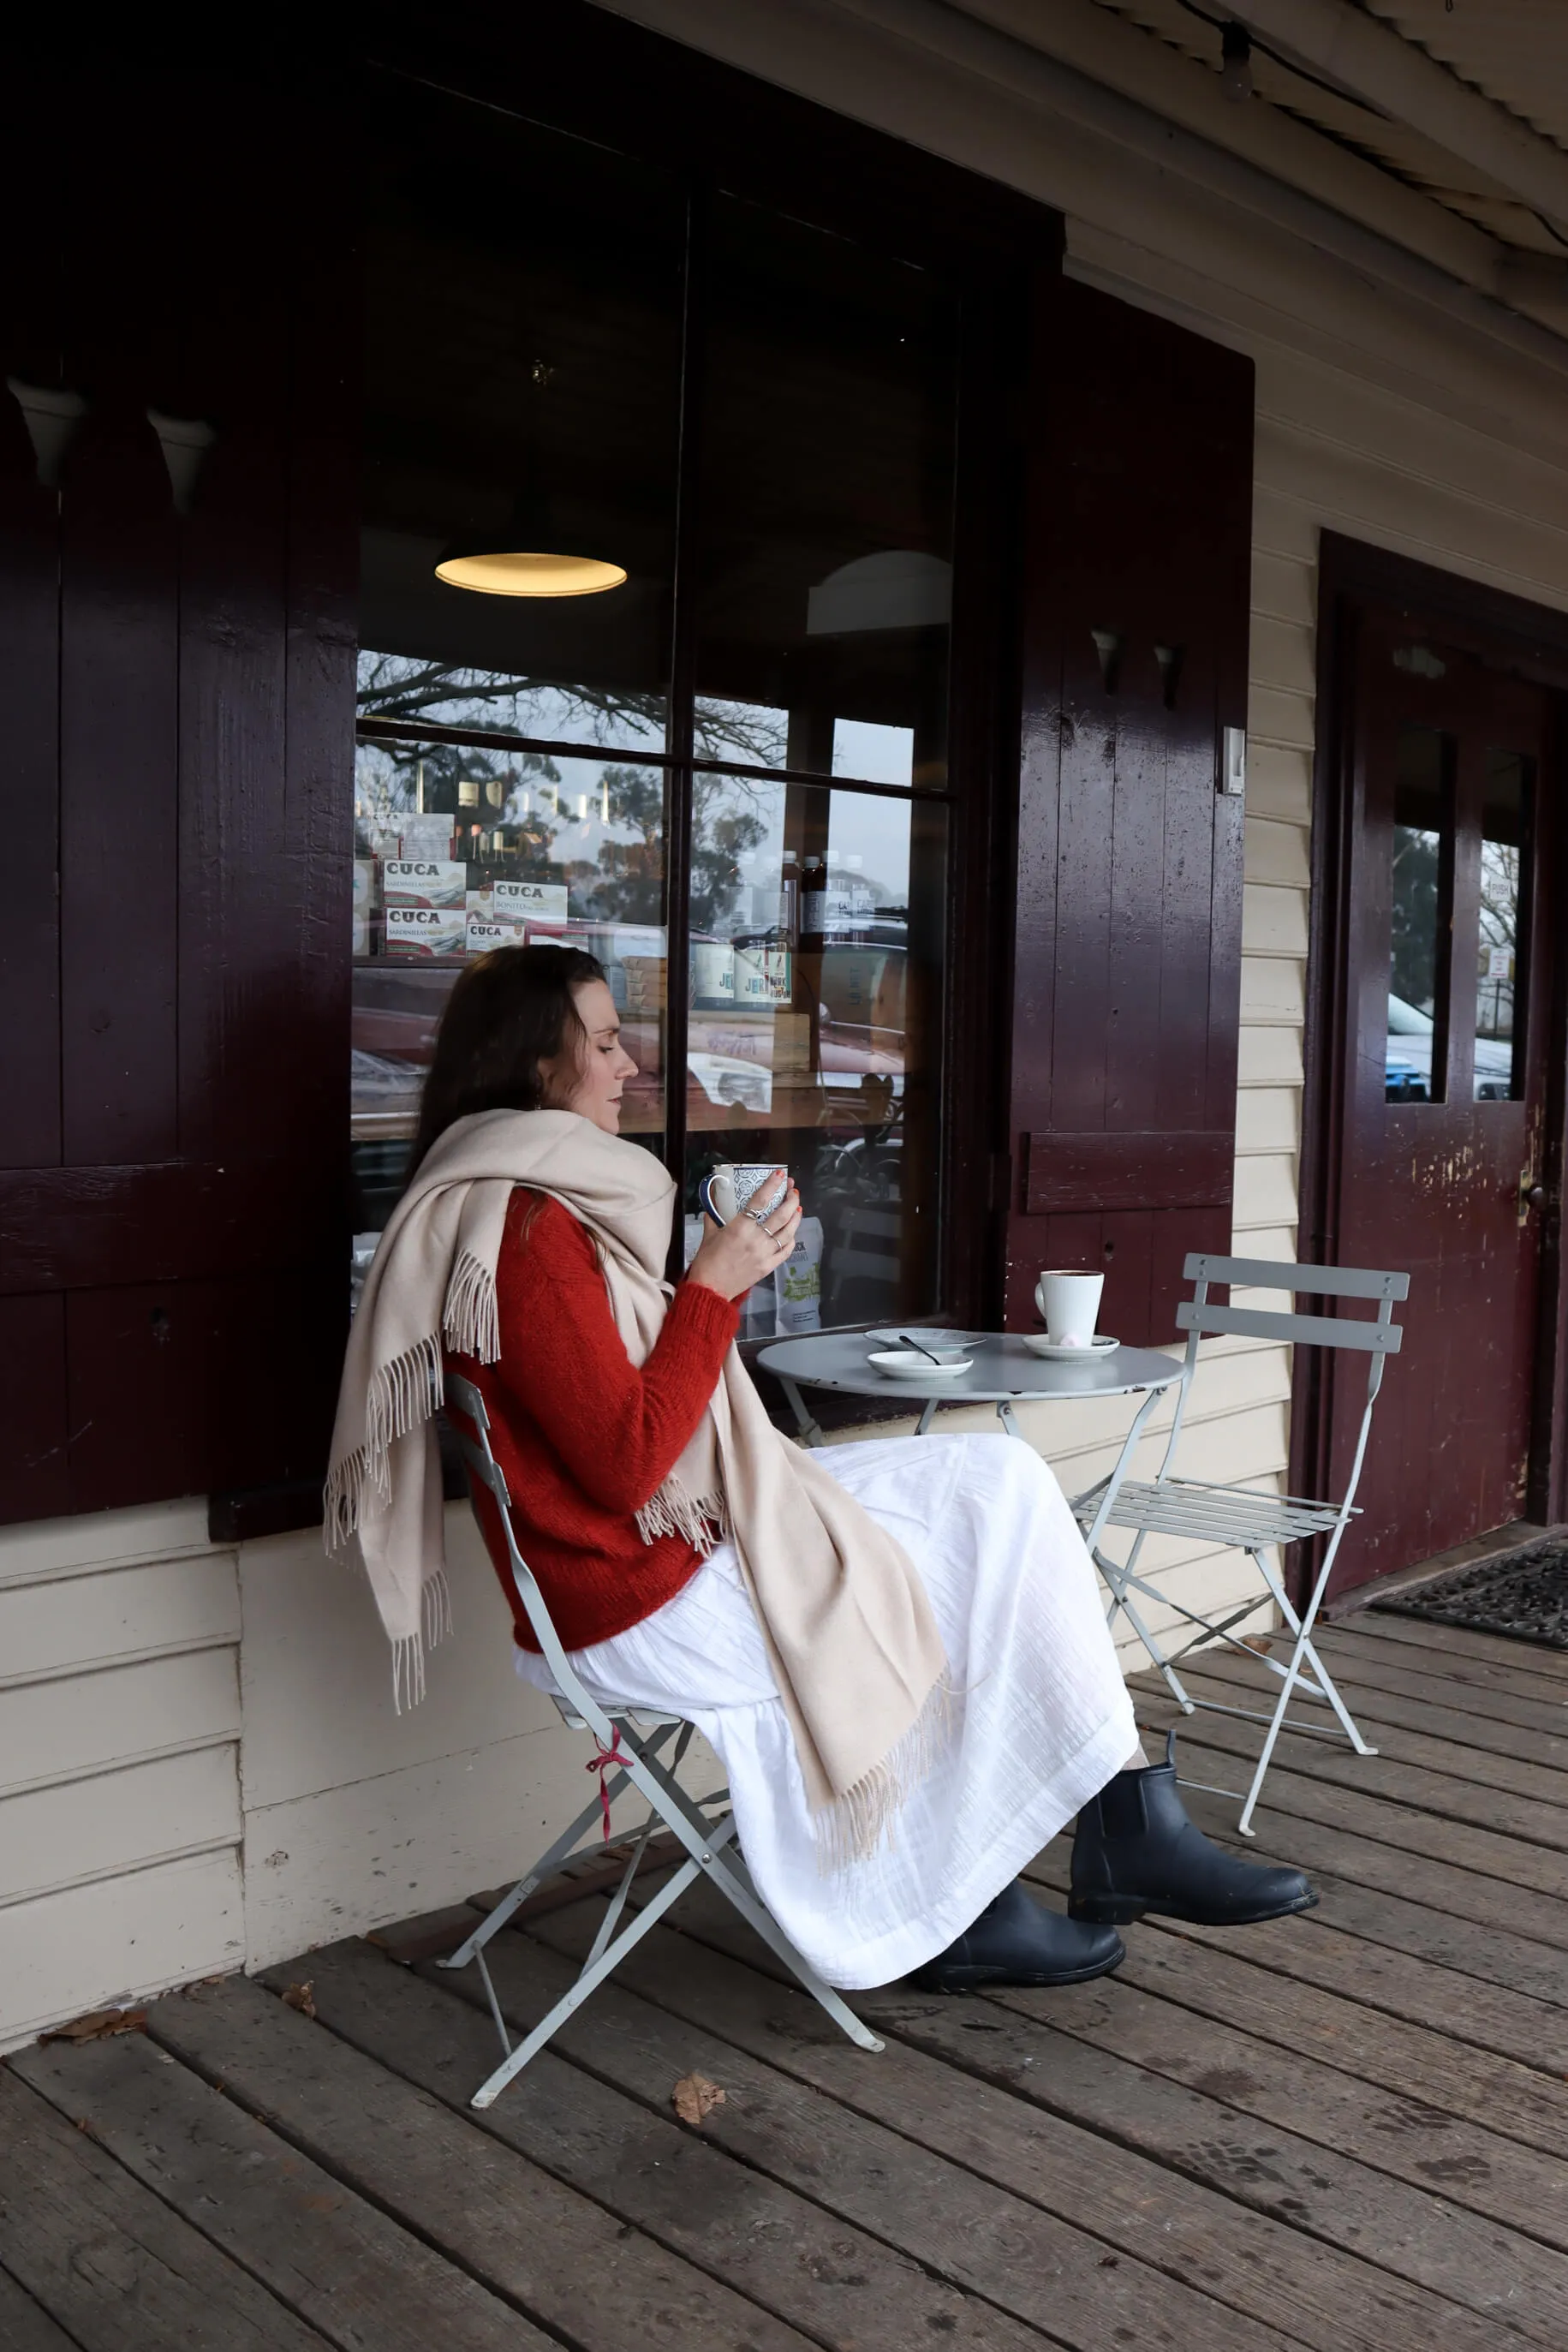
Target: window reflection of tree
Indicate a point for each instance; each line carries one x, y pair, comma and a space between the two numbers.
1414, 915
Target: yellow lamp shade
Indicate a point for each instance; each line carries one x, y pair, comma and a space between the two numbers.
499, 573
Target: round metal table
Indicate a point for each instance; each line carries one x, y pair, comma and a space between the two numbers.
1004, 1372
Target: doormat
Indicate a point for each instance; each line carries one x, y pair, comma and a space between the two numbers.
1522, 1594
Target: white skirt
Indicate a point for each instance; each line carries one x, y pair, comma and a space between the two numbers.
1043, 1717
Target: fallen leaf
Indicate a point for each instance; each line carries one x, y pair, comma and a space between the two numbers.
301, 1997
97, 2024
695, 2097
1260, 1643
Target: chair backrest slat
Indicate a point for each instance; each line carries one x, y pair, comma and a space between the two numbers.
1298, 1330
1304, 1281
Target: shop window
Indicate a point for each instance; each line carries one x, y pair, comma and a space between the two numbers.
547, 369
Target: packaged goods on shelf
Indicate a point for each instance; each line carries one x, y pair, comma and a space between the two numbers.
483, 933
423, 882
543, 901
423, 931
712, 971
798, 1283
762, 973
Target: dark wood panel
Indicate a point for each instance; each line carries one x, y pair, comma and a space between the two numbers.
181, 1387
29, 729
239, 922
1128, 1168
73, 1228
119, 671
1127, 980
33, 1480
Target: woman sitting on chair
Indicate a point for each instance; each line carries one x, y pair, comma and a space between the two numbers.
895, 1648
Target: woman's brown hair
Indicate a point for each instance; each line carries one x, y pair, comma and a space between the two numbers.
508, 1013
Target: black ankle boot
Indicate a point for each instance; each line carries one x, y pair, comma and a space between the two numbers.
1016, 1941
1137, 1851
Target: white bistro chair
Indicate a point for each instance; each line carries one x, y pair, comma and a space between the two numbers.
1241, 1516
635, 1742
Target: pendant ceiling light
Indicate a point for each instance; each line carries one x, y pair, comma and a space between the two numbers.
519, 560
524, 557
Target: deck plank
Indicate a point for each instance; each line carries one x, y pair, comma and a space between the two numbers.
1321, 1826
1535, 1819
107, 2259
1417, 1673
1272, 2226
1472, 1651
780, 2248
25, 2325
559, 2258
1418, 1730
324, 2251
1472, 2023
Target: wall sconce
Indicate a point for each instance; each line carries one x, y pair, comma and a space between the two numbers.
51, 419
184, 441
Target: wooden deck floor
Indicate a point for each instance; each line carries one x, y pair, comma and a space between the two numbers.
1348, 2130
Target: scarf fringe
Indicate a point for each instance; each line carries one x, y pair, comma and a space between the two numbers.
674, 1512
402, 1394
406, 1391
471, 1319
408, 1655
853, 1827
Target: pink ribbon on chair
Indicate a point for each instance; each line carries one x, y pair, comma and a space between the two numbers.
601, 1763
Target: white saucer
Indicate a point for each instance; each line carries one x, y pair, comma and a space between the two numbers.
1039, 1344
907, 1364
961, 1340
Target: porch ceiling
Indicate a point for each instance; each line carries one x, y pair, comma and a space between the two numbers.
1510, 56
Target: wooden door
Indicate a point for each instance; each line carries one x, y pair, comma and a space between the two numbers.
1442, 1151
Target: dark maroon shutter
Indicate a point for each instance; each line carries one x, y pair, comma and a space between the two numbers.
176, 703
1129, 895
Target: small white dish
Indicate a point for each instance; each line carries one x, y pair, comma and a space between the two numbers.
941, 1343
908, 1364
1039, 1344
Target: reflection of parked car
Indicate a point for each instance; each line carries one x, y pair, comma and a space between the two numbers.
1407, 1062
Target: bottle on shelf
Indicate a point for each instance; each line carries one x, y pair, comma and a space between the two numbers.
814, 903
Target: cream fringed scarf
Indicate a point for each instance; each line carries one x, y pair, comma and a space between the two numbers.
853, 1643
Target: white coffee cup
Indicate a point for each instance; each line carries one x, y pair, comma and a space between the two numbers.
1070, 1304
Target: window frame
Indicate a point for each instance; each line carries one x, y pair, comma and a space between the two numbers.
739, 138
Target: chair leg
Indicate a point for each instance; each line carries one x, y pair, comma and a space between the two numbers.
548, 1863
609, 1959
1299, 1655
761, 1920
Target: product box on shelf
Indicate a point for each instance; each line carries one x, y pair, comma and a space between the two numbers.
483, 933
423, 882
545, 902
423, 931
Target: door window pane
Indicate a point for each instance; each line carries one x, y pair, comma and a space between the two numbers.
1505, 814
817, 921
1420, 886
827, 489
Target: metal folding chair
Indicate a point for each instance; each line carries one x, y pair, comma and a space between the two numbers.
631, 1744
1240, 1516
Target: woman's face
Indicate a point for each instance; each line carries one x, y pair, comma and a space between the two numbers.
587, 1077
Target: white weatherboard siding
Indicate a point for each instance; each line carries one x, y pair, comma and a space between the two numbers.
199, 1763
119, 1720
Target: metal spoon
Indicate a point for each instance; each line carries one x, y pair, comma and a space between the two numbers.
908, 1340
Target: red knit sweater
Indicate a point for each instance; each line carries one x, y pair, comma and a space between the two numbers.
584, 1437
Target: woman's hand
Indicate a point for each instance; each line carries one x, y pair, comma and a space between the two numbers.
734, 1257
